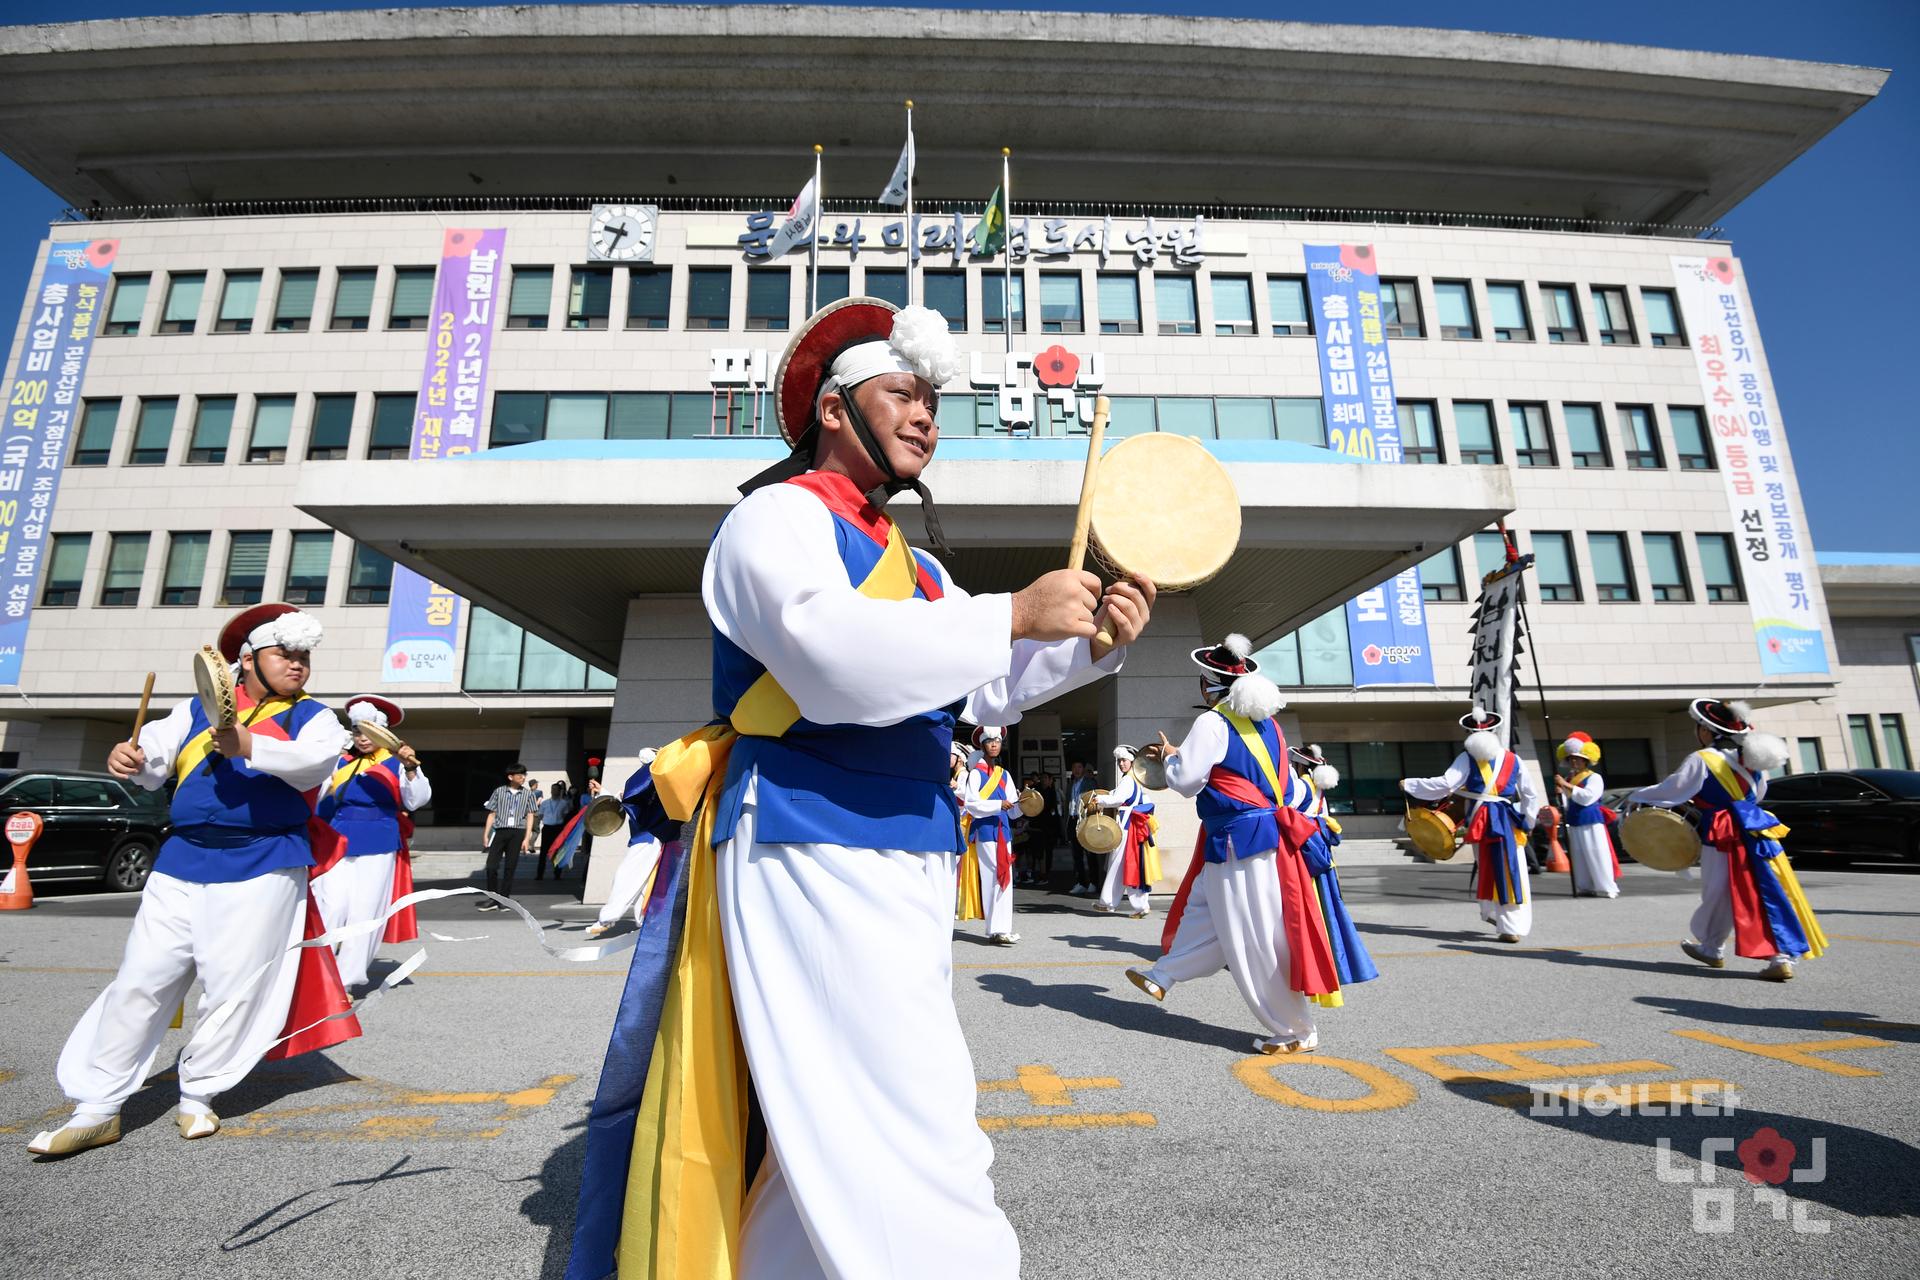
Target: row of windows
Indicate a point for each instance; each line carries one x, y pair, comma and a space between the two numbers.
183, 574
1662, 574
1888, 751
1513, 311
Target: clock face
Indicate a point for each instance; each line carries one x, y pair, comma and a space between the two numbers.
622, 232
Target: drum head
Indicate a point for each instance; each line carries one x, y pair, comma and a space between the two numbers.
1099, 833
383, 738
1165, 507
1031, 803
213, 684
1432, 833
606, 816
1660, 838
1151, 773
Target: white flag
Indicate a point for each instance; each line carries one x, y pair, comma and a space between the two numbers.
798, 228
896, 192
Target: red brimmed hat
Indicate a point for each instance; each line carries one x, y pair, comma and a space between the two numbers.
241, 625
385, 706
809, 357
983, 733
1721, 717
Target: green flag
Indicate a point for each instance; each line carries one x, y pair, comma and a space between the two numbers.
991, 235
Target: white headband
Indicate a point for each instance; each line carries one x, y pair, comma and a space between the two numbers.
297, 631
364, 712
1124, 752
868, 360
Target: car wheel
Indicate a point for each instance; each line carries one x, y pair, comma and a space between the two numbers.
128, 868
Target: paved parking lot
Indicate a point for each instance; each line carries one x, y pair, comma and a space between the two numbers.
1428, 1135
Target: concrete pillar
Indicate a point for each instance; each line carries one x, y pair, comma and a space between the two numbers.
1157, 691
68, 743
543, 747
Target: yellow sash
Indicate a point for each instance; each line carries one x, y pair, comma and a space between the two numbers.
1725, 774
1729, 777
994, 775
359, 764
1489, 787
200, 746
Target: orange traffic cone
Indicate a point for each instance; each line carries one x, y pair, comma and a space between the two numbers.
16, 891
1556, 853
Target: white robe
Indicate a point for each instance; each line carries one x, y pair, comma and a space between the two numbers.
361, 888
996, 904
1464, 774
630, 881
1121, 802
1587, 845
1712, 922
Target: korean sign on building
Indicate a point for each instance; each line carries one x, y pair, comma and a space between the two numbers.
1146, 241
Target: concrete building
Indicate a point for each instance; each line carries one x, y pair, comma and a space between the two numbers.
280, 213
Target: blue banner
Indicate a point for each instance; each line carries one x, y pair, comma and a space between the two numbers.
42, 408
1386, 626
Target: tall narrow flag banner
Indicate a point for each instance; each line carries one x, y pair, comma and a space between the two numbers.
896, 193
799, 223
991, 235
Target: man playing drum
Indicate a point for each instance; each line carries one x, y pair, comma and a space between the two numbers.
1502, 804
991, 801
1596, 868
1747, 885
228, 892
1125, 883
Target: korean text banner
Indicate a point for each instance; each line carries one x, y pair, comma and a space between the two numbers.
423, 617
1774, 552
42, 405
1386, 626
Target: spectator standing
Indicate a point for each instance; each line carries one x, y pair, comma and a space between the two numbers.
554, 812
1086, 870
508, 832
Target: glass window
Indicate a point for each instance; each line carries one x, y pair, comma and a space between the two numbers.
1186, 415
239, 300
1232, 305
412, 303
183, 301
636, 415
1473, 431
589, 297
1400, 309
993, 302
1643, 444
1507, 307
1866, 752
1610, 316
1060, 302
577, 415
30, 792
1119, 302
307, 567
1893, 735
1301, 419
834, 284
1453, 301
1690, 438
1131, 415
1553, 566
1629, 761
1719, 573
126, 565
946, 292
369, 576
649, 297
1325, 658
709, 297
1666, 568
1287, 299
530, 298
887, 284
1440, 576
93, 445
392, 435
1612, 574
66, 567
272, 428
1489, 553
1813, 757
153, 434
1532, 438
1561, 307
1663, 318
212, 428
965, 414
691, 414
519, 417
1280, 663
1586, 438
332, 428
353, 298
129, 302
500, 656
246, 578
87, 793
1419, 439
293, 309
770, 297
1244, 417
186, 568
1175, 302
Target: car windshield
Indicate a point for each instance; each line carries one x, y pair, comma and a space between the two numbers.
1904, 783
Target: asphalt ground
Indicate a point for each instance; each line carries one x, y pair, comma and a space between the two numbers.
1132, 1139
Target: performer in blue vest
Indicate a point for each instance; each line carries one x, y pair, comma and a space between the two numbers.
1126, 883
369, 800
1314, 777
815, 903
1596, 867
1502, 804
990, 802
227, 895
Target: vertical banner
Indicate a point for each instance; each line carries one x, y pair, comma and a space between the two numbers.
1776, 555
423, 617
1498, 642
1386, 626
42, 409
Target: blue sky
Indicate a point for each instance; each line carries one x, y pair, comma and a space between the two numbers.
1839, 340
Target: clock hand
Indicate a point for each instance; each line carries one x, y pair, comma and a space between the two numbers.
619, 230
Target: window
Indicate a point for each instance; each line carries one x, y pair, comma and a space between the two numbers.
770, 297
1612, 574
293, 309
1643, 443
946, 292
589, 297
1560, 305
1132, 415
66, 567
1718, 571
239, 300
1813, 757
332, 428
1244, 417
1300, 419
1316, 654
1610, 316
129, 301
888, 285
1060, 303
1532, 439
353, 298
93, 446
186, 568
1287, 299
412, 304
1894, 735
709, 297
307, 567
1473, 432
392, 435
1690, 438
183, 301
530, 299
31, 792
1119, 302
993, 302
1507, 308
1629, 761
638, 415
1176, 304
649, 297
154, 432
1663, 318
1419, 439
1866, 752
272, 428
833, 284
1400, 309
246, 578
1666, 568
1453, 302
126, 565
1489, 553
519, 417
1185, 415
1232, 305
1553, 566
369, 576
1440, 576
212, 428
1586, 438
500, 656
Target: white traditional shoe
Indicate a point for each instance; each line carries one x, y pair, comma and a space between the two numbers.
1778, 971
76, 1136
1698, 952
1139, 978
1305, 1044
201, 1124
596, 929
1510, 937
1136, 915
1005, 939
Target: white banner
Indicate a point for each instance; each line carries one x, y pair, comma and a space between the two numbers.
798, 228
1496, 651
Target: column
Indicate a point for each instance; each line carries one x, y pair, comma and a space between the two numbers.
1158, 691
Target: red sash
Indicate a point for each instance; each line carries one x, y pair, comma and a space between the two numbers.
1139, 832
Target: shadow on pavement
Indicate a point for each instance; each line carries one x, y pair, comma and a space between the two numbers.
555, 1197
265, 1085
1144, 949
1835, 1021
1092, 1003
1579, 959
297, 1209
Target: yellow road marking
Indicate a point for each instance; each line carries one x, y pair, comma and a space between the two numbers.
1086, 1120
1044, 1087
1515, 1057
1801, 1053
1385, 1091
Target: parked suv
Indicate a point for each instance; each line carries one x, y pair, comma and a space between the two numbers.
97, 827
1864, 813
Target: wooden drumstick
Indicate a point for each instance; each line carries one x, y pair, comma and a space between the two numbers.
1083, 517
140, 716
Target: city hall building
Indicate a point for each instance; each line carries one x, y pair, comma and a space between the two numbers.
282, 399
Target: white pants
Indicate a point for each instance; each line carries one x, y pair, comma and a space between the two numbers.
223, 931
996, 904
1116, 896
841, 962
1518, 919
630, 880
1233, 920
356, 889
1592, 859
1713, 919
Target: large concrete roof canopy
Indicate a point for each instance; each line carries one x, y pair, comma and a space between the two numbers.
727, 101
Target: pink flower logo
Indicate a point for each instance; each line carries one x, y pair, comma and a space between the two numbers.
399, 661
1372, 654
1773, 644
101, 253
458, 242
1766, 1157
1056, 367
1359, 257
1721, 269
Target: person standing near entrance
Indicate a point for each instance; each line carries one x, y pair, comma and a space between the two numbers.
1086, 877
991, 801
507, 833
554, 812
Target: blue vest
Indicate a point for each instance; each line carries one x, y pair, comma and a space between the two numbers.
1229, 822
1585, 815
231, 821
366, 810
989, 830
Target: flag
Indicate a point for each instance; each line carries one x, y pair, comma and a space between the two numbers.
798, 228
896, 192
991, 235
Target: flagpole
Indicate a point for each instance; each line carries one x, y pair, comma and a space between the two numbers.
1006, 196
813, 239
913, 240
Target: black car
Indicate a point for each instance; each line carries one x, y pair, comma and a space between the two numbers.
1862, 813
97, 827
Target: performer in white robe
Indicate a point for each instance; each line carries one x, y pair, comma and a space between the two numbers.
644, 848
991, 802
1503, 803
1121, 802
1596, 868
